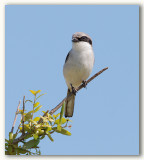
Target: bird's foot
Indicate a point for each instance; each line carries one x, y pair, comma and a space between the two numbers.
84, 83
73, 89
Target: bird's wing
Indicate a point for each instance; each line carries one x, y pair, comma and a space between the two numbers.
67, 57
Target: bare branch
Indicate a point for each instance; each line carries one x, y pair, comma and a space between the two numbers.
52, 132
33, 107
60, 104
19, 125
80, 87
15, 116
23, 132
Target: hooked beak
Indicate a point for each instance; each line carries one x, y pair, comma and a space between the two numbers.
74, 39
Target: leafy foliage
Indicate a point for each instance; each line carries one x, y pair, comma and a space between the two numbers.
34, 129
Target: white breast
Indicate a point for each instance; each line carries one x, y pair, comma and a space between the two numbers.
79, 64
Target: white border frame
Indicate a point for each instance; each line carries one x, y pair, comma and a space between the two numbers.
2, 74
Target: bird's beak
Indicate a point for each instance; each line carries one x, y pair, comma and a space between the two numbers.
74, 39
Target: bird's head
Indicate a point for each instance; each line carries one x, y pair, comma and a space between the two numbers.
81, 37
81, 41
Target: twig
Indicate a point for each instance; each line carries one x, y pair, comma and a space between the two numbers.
19, 126
80, 87
52, 132
60, 104
41, 120
15, 116
23, 132
33, 107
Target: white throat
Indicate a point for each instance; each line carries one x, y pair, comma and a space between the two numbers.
81, 46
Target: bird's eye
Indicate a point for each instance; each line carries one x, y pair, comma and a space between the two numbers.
83, 38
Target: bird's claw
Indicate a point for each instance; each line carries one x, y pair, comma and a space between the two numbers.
84, 83
73, 89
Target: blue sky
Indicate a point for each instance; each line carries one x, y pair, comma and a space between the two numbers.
106, 115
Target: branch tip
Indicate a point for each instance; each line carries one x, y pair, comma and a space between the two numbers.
57, 107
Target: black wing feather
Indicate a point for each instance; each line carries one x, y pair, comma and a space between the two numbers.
67, 57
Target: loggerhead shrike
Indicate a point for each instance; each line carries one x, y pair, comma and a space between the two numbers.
77, 67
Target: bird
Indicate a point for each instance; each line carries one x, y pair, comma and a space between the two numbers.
78, 66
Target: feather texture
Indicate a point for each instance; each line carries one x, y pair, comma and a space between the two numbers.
69, 106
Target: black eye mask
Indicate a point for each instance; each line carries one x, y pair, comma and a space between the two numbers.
85, 39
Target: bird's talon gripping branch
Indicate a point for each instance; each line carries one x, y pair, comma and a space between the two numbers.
73, 89
84, 83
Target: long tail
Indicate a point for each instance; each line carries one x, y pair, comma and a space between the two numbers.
69, 106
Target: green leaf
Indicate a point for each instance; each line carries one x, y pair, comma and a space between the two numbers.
21, 111
31, 144
28, 116
30, 112
6, 140
62, 112
50, 119
59, 127
20, 128
63, 121
6, 144
38, 91
35, 92
63, 131
35, 136
40, 95
36, 119
7, 153
38, 126
50, 137
45, 125
38, 108
36, 104
27, 128
55, 116
14, 136
49, 116
21, 151
28, 136
48, 129
40, 131
10, 135
34, 122
42, 137
44, 119
10, 149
